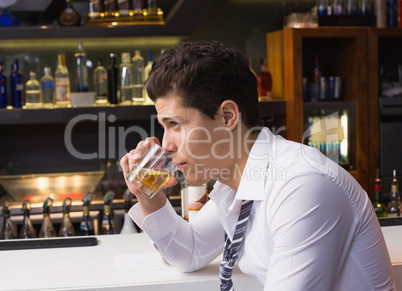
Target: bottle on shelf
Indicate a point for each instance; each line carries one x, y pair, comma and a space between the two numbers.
128, 223
32, 92
27, 229
62, 82
138, 87
47, 89
69, 16
138, 7
107, 216
66, 228
112, 79
381, 12
100, 84
351, 7
152, 7
47, 228
81, 69
394, 206
126, 79
123, 7
17, 86
95, 10
392, 13
379, 207
338, 7
322, 8
3, 87
147, 70
87, 224
110, 8
315, 90
8, 231
264, 82
365, 7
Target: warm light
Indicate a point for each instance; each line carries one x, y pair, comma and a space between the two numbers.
114, 23
42, 183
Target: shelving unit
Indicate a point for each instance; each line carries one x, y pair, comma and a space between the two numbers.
343, 52
384, 46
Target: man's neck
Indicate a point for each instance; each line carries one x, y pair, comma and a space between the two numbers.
247, 140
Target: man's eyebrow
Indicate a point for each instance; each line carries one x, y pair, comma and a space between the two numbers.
167, 118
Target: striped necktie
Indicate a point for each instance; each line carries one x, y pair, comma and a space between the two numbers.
231, 248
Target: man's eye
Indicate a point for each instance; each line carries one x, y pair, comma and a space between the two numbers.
174, 124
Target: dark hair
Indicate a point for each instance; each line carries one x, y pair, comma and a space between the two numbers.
203, 75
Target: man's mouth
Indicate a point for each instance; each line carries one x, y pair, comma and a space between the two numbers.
181, 166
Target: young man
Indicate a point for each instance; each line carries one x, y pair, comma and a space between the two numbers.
311, 226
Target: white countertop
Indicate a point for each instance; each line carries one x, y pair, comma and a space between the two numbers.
118, 262
129, 262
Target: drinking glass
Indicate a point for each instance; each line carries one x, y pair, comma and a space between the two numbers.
153, 171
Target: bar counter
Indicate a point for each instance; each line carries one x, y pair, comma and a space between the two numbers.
129, 262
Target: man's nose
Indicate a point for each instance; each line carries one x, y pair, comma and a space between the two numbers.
168, 144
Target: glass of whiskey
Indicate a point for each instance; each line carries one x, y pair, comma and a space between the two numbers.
153, 170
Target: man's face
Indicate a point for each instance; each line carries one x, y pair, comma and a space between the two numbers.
200, 145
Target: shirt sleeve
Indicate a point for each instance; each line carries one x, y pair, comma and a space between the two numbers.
312, 226
186, 246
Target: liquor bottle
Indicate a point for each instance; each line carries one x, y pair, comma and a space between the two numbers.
394, 206
126, 79
138, 87
66, 228
47, 229
128, 223
338, 7
365, 8
62, 82
315, 92
123, 7
110, 7
152, 7
32, 92
3, 87
138, 7
351, 7
112, 77
17, 86
8, 231
381, 12
264, 82
47, 89
87, 224
379, 207
107, 216
323, 8
95, 10
100, 83
27, 230
147, 70
81, 70
392, 13
69, 16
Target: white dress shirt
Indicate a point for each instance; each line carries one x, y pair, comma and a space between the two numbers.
312, 226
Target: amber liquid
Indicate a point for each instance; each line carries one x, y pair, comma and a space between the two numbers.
153, 179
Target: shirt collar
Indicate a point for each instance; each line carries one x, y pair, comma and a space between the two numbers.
256, 171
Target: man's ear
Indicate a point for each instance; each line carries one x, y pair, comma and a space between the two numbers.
231, 114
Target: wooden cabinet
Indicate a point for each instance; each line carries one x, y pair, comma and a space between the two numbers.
384, 53
342, 52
